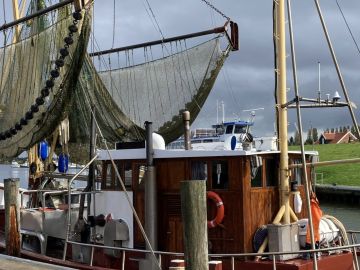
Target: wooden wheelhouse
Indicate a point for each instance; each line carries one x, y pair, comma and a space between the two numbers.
246, 181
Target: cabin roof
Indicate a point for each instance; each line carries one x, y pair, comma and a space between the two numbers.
337, 137
180, 153
243, 123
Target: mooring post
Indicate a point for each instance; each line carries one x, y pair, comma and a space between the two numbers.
194, 216
12, 216
187, 135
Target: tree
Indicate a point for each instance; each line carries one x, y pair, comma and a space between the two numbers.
315, 135
353, 130
309, 139
297, 138
332, 130
291, 141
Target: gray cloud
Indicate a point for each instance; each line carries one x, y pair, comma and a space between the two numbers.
247, 79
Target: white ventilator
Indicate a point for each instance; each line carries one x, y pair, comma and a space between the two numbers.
297, 202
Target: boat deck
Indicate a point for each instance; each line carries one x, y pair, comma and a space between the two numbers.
13, 263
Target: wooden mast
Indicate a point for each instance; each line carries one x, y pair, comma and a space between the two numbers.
281, 93
16, 15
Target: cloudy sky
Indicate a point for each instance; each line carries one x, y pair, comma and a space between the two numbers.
247, 79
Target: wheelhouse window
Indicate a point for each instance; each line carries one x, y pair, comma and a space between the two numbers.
198, 170
110, 180
127, 174
256, 166
220, 175
297, 173
141, 174
239, 129
229, 129
108, 183
271, 172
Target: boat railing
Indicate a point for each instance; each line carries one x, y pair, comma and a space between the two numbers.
68, 229
353, 235
44, 192
232, 257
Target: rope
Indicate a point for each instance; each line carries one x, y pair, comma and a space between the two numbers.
341, 228
114, 21
155, 20
348, 27
216, 9
4, 11
124, 188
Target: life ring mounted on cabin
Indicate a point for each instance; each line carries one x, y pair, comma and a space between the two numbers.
220, 209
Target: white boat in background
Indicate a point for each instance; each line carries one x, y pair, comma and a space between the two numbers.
15, 164
25, 164
233, 135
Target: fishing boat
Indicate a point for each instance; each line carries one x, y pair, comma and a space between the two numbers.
228, 135
15, 164
218, 137
129, 215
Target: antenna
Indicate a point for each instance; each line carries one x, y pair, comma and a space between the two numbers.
217, 111
319, 90
252, 112
223, 111
296, 127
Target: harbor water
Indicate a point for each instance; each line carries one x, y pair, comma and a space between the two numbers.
348, 214
7, 171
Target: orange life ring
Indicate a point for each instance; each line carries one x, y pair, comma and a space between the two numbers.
220, 209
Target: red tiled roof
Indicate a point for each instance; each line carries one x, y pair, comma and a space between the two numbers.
329, 136
336, 137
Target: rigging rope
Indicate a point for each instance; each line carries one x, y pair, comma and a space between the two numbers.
4, 12
114, 22
120, 180
154, 18
348, 27
216, 9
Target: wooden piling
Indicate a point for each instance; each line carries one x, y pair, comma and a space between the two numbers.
194, 216
12, 216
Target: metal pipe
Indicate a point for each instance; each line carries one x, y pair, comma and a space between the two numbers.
326, 163
356, 262
319, 90
281, 93
187, 140
274, 262
68, 229
316, 101
216, 30
303, 158
329, 105
36, 14
123, 260
92, 256
92, 150
150, 197
220, 255
149, 144
338, 71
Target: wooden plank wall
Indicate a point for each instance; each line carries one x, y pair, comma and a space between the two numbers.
246, 208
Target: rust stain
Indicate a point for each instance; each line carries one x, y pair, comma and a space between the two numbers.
13, 246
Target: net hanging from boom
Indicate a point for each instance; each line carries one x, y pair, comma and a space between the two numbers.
156, 90
37, 76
